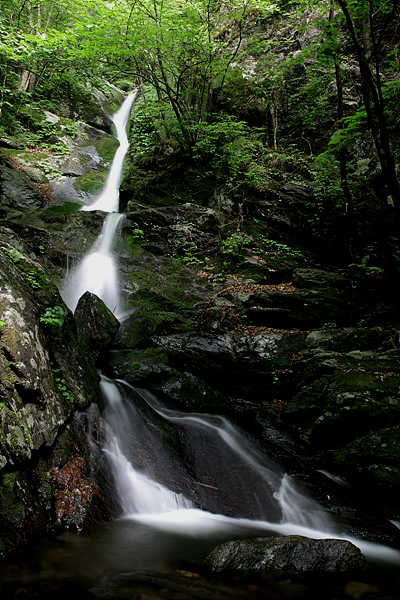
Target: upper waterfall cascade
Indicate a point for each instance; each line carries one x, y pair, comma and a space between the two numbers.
97, 272
108, 200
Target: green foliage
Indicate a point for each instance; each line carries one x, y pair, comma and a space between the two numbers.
327, 326
14, 255
312, 103
135, 233
49, 171
66, 208
359, 270
36, 279
279, 248
327, 190
143, 124
229, 146
53, 315
188, 248
233, 245
61, 384
71, 129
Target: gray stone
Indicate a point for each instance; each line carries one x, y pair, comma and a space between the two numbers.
317, 278
32, 411
16, 191
96, 324
292, 553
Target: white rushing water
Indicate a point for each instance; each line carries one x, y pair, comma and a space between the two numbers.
143, 497
108, 201
139, 493
147, 501
97, 272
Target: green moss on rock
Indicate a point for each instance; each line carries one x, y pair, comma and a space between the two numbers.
64, 209
107, 147
91, 182
10, 502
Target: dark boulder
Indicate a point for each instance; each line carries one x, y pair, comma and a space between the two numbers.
70, 487
16, 191
95, 323
51, 477
31, 410
237, 365
75, 366
292, 553
79, 475
372, 463
317, 278
342, 396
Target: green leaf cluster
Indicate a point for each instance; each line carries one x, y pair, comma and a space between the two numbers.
53, 315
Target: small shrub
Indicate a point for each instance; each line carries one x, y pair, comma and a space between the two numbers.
53, 315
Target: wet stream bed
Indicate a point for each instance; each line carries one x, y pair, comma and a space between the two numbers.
129, 560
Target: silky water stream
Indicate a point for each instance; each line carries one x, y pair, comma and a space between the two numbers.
167, 464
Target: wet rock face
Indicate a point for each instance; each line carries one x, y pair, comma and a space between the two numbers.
90, 107
96, 324
16, 191
51, 477
77, 370
294, 554
342, 396
372, 463
67, 488
32, 412
250, 360
79, 475
317, 278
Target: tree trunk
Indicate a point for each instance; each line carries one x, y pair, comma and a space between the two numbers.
342, 152
374, 106
27, 82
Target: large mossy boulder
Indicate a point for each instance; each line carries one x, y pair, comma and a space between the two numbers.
44, 371
237, 365
96, 324
69, 163
70, 487
51, 477
292, 554
74, 364
184, 232
32, 408
94, 106
372, 464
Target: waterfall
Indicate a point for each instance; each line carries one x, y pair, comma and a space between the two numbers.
130, 413
168, 463
97, 272
147, 501
108, 201
138, 492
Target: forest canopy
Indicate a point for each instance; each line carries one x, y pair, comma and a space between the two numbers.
248, 89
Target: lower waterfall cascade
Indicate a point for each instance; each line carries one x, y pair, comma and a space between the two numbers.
145, 499
148, 501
